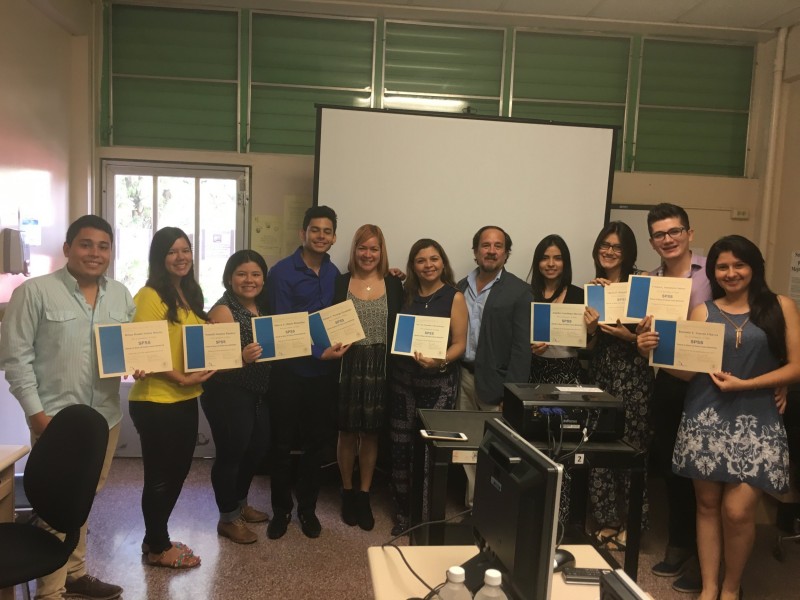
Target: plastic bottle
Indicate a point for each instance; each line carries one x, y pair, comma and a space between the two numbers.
491, 589
455, 589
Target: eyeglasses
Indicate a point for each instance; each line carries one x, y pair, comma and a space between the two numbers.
674, 233
615, 248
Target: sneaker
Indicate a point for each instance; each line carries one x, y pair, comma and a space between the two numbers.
251, 515
310, 524
349, 514
278, 525
690, 582
91, 587
675, 561
364, 511
236, 531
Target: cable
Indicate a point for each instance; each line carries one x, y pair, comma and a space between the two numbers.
390, 543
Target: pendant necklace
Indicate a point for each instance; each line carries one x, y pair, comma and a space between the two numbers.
738, 328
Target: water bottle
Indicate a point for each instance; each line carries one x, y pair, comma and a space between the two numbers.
455, 589
491, 589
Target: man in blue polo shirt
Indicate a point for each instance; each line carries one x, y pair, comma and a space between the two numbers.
302, 389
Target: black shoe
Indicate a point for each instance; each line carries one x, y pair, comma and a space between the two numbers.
364, 511
690, 582
91, 587
675, 561
349, 514
278, 525
310, 524
400, 525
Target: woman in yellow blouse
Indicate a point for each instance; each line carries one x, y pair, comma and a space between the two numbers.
163, 406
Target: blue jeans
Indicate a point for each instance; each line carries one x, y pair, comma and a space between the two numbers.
239, 420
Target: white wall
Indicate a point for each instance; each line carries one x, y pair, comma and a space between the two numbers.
36, 71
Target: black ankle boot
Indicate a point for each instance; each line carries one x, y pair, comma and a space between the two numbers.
349, 513
364, 517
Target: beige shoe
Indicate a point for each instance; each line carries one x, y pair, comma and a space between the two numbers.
236, 531
251, 515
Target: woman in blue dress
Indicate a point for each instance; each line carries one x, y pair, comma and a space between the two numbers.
731, 440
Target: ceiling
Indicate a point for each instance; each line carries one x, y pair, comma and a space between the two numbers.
724, 19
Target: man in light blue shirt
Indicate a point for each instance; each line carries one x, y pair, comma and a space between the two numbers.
48, 353
498, 342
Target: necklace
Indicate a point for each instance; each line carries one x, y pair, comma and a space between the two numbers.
738, 328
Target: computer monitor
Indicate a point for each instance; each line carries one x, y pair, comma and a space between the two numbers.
514, 513
616, 585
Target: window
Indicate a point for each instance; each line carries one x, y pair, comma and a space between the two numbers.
572, 79
298, 62
174, 78
441, 68
694, 102
206, 202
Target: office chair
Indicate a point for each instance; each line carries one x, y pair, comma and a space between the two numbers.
60, 480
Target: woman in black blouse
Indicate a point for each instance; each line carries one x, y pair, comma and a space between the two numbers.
234, 401
551, 281
421, 381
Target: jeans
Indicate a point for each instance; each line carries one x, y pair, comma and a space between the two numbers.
168, 433
239, 420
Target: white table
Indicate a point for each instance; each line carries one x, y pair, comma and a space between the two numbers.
8, 456
391, 579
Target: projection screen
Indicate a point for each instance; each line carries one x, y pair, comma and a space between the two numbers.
444, 176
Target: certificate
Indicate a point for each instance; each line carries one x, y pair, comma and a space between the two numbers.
609, 301
282, 336
661, 297
128, 347
210, 347
688, 345
558, 324
337, 324
426, 335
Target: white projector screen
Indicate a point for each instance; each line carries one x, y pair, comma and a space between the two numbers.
440, 176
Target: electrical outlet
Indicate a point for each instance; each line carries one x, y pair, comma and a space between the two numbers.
740, 214
579, 459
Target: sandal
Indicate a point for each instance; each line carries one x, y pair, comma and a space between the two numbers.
603, 535
617, 542
174, 558
180, 545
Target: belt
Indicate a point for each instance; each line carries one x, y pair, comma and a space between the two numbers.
469, 366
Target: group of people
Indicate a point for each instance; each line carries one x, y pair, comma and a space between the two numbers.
719, 438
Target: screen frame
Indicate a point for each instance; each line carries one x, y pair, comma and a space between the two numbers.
443, 176
535, 531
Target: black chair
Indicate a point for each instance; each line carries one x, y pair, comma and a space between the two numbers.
60, 480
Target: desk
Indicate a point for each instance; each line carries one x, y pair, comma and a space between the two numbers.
391, 579
613, 455
8, 456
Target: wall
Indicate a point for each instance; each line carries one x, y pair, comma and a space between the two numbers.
785, 235
38, 63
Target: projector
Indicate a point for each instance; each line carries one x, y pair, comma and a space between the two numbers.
539, 411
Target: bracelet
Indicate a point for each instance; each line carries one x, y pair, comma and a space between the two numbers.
443, 366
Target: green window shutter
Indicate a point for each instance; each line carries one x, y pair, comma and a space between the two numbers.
174, 77
571, 79
434, 61
298, 62
694, 100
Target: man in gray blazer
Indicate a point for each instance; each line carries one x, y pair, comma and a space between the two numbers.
498, 341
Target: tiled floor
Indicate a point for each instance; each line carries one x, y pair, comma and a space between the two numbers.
333, 566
